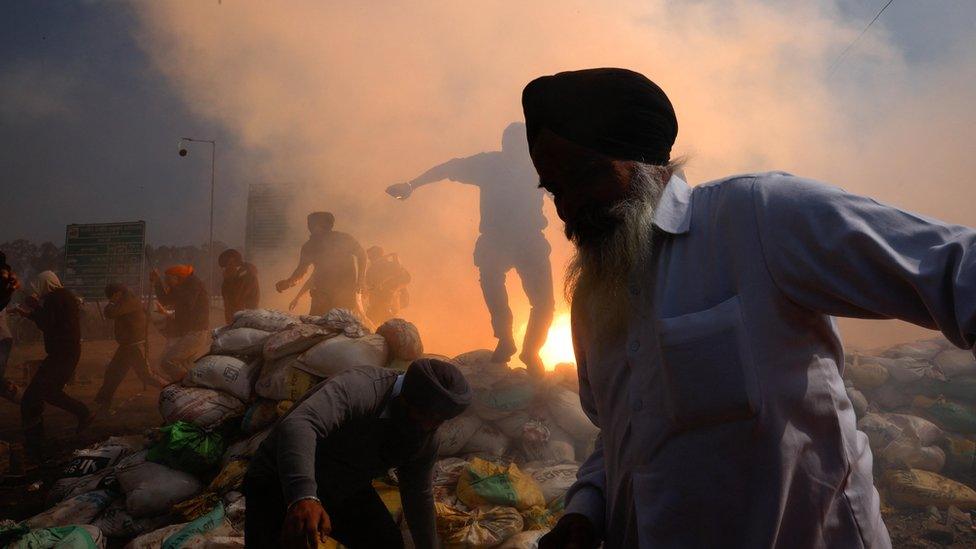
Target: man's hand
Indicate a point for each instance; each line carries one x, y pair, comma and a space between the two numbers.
573, 531
283, 285
293, 304
305, 524
400, 191
154, 276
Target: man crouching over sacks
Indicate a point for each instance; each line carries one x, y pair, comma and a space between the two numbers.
312, 476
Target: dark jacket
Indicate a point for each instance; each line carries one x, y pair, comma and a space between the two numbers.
129, 317
338, 439
240, 291
191, 303
58, 318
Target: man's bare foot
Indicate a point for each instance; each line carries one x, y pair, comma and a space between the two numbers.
504, 350
534, 365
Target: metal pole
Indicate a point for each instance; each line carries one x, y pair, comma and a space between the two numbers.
213, 161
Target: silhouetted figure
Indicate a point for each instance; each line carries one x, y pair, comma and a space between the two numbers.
338, 262
386, 285
511, 237
185, 300
240, 288
9, 284
56, 312
125, 310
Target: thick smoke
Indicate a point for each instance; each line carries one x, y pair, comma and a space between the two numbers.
347, 98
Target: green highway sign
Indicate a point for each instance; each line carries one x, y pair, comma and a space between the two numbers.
98, 253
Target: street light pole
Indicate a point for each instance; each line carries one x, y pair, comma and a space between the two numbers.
213, 161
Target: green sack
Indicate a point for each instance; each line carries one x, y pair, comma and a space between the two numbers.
60, 537
949, 415
202, 525
187, 447
960, 388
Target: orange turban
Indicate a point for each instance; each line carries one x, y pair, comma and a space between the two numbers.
180, 271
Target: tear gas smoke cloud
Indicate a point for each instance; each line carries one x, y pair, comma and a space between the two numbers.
348, 98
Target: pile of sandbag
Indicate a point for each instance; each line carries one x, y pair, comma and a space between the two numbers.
916, 402
179, 485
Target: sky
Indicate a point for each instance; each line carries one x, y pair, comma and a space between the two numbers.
342, 99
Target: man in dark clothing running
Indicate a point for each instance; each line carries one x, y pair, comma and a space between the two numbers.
339, 264
312, 476
511, 237
240, 288
184, 297
125, 309
55, 310
386, 284
9, 284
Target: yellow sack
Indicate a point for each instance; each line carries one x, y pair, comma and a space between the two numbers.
485, 483
920, 488
482, 527
391, 498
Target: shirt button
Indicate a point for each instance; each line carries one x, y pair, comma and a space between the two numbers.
638, 405
634, 346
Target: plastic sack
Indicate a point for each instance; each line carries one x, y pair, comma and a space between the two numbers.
81, 509
920, 350
960, 455
224, 373
528, 539
555, 480
858, 401
909, 453
238, 341
567, 412
186, 447
956, 363
154, 539
263, 319
262, 413
506, 396
338, 354
880, 431
485, 483
88, 469
151, 489
559, 447
926, 432
207, 523
947, 414
244, 449
901, 370
342, 321
202, 407
481, 527
60, 537
918, 488
865, 374
454, 433
294, 340
486, 440
403, 339
116, 522
960, 388
281, 380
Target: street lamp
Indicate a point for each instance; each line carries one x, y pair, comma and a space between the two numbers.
213, 157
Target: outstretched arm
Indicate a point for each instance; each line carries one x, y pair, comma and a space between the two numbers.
304, 262
463, 170
846, 255
304, 290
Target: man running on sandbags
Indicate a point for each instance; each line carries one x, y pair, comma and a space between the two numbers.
312, 476
185, 299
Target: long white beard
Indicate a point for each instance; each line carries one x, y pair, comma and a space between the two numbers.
597, 274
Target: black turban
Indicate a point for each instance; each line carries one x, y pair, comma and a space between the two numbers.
617, 112
437, 386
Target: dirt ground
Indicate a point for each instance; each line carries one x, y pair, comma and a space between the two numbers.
135, 410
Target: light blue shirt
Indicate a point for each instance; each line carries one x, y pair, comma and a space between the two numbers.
724, 420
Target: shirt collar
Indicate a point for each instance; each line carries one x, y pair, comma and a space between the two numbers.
397, 387
673, 213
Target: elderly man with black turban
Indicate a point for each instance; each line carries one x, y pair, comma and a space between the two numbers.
704, 333
312, 476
